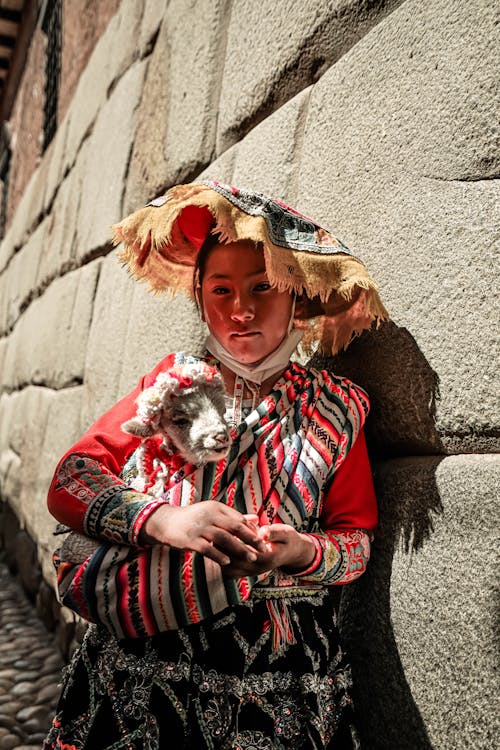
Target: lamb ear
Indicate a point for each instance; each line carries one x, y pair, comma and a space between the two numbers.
137, 427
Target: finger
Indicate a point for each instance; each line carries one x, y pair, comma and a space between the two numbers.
209, 549
235, 522
247, 533
232, 546
251, 519
277, 533
236, 526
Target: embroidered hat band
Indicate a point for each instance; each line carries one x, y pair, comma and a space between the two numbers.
161, 242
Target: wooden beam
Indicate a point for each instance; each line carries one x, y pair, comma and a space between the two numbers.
6, 14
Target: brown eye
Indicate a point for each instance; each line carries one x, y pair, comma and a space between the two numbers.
180, 421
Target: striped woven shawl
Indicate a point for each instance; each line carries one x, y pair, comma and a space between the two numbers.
283, 456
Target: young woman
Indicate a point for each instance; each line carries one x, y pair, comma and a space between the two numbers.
215, 626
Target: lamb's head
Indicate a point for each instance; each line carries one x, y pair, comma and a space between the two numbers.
186, 406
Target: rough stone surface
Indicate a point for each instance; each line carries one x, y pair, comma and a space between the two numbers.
109, 148
25, 218
47, 345
105, 351
59, 248
63, 426
376, 118
370, 164
55, 170
195, 74
82, 25
112, 56
6, 248
420, 625
18, 478
147, 175
26, 122
127, 343
156, 327
222, 168
177, 122
266, 159
19, 278
35, 448
152, 17
273, 53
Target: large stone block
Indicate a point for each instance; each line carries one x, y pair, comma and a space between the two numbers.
152, 17
195, 73
7, 248
4, 342
420, 625
28, 214
6, 405
18, 281
11, 480
106, 350
266, 159
147, 174
113, 54
391, 162
176, 127
56, 167
158, 325
62, 428
222, 168
107, 159
37, 426
274, 51
59, 253
131, 331
24, 414
47, 345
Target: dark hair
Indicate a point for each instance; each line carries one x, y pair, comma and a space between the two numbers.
211, 241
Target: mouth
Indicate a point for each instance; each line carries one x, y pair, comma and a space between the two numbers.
223, 449
244, 334
215, 454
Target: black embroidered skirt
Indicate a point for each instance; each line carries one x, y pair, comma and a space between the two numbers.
227, 683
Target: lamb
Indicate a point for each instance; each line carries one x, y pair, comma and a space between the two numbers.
180, 419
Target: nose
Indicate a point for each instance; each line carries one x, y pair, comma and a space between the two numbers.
243, 308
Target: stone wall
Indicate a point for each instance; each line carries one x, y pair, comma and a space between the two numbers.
26, 122
82, 24
378, 119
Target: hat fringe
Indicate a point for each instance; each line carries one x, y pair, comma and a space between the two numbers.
158, 253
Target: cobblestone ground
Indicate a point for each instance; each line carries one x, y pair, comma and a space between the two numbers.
30, 670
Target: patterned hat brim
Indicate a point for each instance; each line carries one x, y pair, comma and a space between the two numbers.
162, 240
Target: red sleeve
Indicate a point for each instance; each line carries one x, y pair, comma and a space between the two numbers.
350, 501
92, 466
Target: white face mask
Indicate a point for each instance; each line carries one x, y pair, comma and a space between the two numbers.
275, 362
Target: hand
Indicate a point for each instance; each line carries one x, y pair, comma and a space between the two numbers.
282, 546
221, 533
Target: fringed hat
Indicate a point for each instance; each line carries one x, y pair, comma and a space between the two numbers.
162, 240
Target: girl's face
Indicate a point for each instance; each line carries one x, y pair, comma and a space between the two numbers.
244, 313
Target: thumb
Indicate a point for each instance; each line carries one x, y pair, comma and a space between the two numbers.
276, 533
